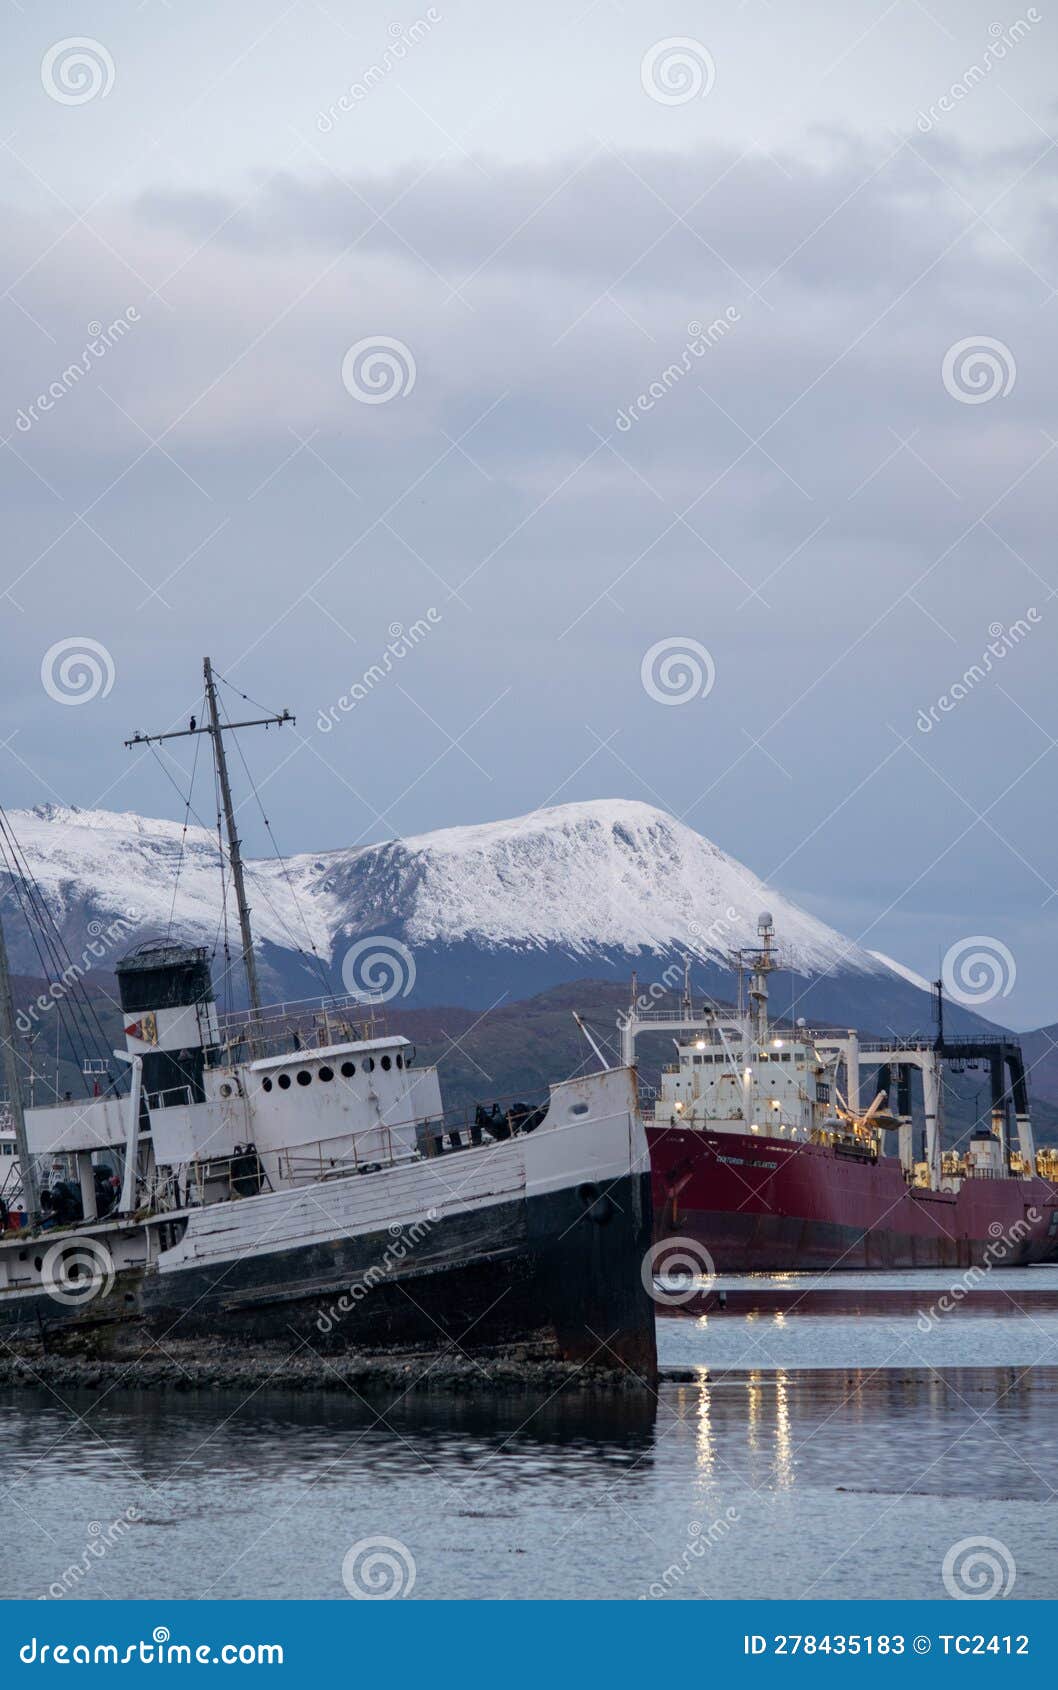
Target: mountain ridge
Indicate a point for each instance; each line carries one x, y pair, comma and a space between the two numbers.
472, 914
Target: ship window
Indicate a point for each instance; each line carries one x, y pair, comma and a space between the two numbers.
386, 1063
369, 1064
400, 1060
284, 1082
304, 1077
266, 1085
326, 1073
348, 1070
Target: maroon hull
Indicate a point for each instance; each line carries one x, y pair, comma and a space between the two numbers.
764, 1205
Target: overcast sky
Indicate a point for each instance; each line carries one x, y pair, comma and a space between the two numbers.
544, 207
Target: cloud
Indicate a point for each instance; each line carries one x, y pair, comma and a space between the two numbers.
810, 455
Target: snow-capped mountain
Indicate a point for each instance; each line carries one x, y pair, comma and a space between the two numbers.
500, 908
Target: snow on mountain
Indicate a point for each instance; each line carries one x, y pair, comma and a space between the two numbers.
611, 874
95, 864
611, 877
907, 974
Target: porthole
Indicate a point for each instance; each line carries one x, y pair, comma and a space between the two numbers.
226, 1090
326, 1073
304, 1077
400, 1060
348, 1070
266, 1085
369, 1064
386, 1063
284, 1082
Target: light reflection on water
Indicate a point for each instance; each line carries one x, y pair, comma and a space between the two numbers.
851, 1478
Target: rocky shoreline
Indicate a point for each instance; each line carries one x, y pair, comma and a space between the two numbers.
188, 1367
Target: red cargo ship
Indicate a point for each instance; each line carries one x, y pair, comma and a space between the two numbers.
763, 1164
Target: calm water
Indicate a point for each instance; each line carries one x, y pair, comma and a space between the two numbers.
812, 1455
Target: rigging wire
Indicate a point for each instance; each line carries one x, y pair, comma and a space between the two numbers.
260, 884
84, 1028
183, 840
314, 958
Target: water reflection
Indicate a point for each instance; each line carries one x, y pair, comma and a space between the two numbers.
784, 1473
584, 1495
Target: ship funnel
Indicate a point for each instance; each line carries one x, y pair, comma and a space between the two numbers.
170, 1015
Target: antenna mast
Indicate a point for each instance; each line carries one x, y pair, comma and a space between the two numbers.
234, 847
217, 729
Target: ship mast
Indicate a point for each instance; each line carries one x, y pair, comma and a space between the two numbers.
234, 845
30, 1187
216, 730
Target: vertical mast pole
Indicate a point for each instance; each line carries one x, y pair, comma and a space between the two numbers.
30, 1190
234, 851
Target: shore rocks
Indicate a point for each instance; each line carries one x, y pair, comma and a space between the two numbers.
216, 1366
